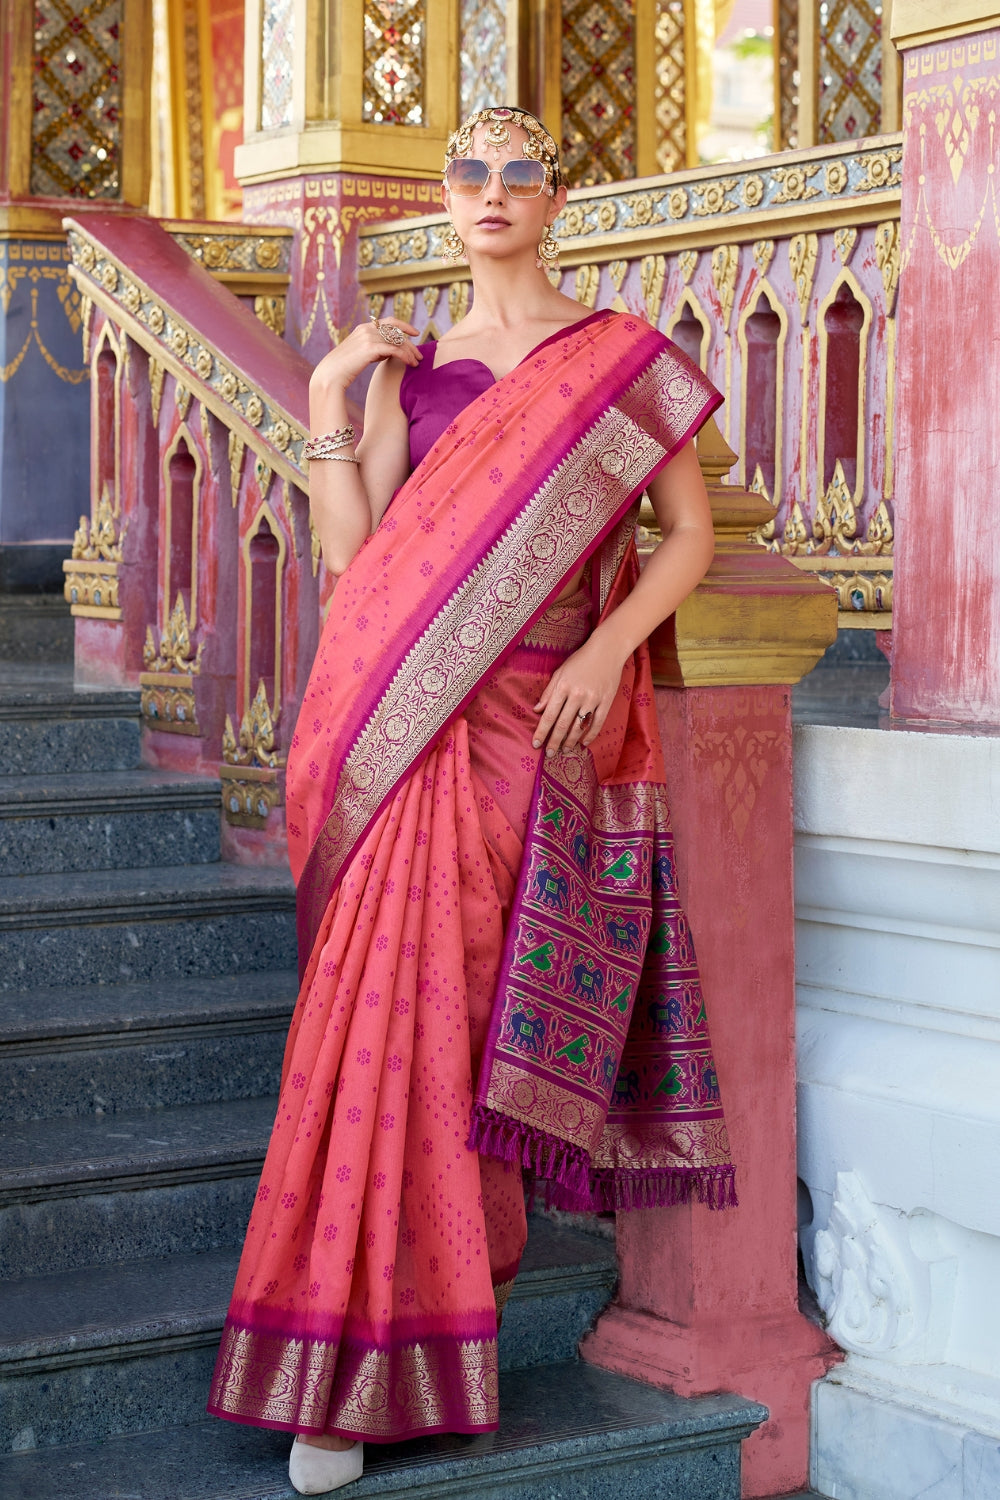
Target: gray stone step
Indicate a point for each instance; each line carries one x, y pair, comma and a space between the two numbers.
109, 926
134, 1343
129, 1186
122, 820
568, 1432
35, 628
49, 725
102, 1049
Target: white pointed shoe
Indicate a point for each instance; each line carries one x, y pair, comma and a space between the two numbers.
317, 1471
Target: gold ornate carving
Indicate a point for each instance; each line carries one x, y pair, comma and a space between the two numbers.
795, 183
652, 272
887, 259
802, 252
715, 197
156, 374
98, 540
832, 186
725, 268
239, 251
91, 583
845, 240
263, 474
249, 797
687, 260
166, 687
237, 447
86, 322
618, 270
182, 400
271, 312
431, 295
763, 254
206, 434
881, 171
458, 300
836, 178
588, 281
256, 741
250, 785
176, 653
402, 306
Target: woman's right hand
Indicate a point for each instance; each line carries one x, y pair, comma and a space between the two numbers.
363, 346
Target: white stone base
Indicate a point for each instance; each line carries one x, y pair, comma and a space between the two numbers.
898, 971
868, 1444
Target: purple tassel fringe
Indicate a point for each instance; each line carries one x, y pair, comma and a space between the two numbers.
571, 1183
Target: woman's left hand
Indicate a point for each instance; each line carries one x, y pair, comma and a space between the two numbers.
586, 685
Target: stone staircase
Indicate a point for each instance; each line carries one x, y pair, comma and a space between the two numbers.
144, 992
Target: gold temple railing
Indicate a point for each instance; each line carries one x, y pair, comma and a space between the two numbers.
778, 276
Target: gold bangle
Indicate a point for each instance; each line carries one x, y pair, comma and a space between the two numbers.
342, 458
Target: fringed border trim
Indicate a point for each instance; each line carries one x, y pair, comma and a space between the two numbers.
571, 1183
550, 1158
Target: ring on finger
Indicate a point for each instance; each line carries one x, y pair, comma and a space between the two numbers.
584, 716
389, 333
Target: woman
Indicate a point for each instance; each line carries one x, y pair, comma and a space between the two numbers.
495, 969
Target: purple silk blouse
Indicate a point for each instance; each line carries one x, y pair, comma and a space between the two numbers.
432, 396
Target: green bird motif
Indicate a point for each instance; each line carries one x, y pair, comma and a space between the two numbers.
671, 1083
622, 867
576, 1050
539, 958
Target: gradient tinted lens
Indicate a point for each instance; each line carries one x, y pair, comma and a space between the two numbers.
467, 176
523, 179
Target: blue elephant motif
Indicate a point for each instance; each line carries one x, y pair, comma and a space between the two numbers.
551, 888
627, 1088
663, 873
623, 935
666, 1015
588, 982
581, 851
710, 1082
527, 1031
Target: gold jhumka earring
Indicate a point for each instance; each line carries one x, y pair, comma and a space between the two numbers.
548, 251
452, 245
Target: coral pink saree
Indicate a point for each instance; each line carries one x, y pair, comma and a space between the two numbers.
495, 968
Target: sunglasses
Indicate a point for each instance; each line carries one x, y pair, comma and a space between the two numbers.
467, 176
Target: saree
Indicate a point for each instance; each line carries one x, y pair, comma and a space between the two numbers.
495, 968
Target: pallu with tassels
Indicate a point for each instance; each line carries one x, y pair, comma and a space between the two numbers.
496, 970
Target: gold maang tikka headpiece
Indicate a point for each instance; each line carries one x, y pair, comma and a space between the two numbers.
539, 145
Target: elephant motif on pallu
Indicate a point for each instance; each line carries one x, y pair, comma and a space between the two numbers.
666, 1015
627, 1088
609, 1068
588, 983
527, 1031
710, 1082
581, 851
551, 888
623, 935
663, 873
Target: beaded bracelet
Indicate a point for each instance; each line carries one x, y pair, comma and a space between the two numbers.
344, 458
328, 443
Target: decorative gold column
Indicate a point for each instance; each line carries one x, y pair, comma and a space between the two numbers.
755, 619
74, 135
341, 88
